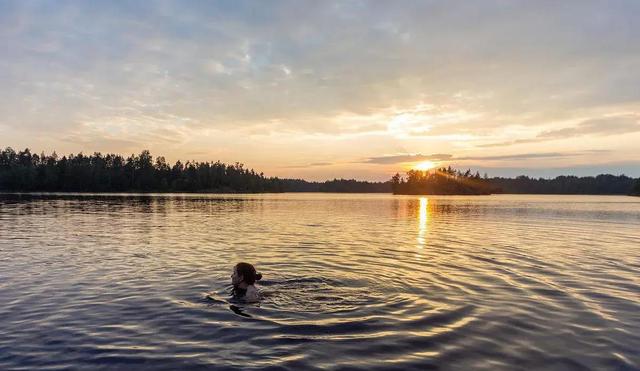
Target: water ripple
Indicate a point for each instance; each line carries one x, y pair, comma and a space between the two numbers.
354, 282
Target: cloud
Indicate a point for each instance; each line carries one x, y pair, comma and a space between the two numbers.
606, 126
228, 67
321, 164
314, 164
399, 159
510, 142
532, 156
396, 159
601, 126
256, 69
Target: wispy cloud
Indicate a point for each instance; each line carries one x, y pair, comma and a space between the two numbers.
601, 126
314, 164
533, 156
397, 159
410, 158
606, 126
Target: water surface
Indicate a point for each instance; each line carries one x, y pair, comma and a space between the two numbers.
351, 282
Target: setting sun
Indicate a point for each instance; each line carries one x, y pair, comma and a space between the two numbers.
425, 165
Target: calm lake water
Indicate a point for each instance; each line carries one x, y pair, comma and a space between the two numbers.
350, 282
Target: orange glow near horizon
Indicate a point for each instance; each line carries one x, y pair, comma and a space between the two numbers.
425, 165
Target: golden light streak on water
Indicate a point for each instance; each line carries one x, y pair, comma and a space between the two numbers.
423, 220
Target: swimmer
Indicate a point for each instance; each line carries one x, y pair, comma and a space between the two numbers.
243, 279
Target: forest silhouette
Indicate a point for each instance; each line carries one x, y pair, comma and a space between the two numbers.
442, 181
24, 171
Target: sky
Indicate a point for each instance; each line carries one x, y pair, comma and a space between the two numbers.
326, 89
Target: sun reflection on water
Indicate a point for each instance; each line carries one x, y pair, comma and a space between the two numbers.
423, 219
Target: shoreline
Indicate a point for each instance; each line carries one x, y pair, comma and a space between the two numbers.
138, 193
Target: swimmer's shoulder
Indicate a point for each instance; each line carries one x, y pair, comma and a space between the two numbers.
252, 294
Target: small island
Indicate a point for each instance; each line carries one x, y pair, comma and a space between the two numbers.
442, 181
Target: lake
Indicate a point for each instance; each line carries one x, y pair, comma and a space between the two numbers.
370, 282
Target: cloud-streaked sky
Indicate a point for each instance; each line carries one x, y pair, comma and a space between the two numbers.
323, 89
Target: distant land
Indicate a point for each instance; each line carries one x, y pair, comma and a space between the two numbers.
636, 189
24, 171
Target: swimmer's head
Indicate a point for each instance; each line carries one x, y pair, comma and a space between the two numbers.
245, 272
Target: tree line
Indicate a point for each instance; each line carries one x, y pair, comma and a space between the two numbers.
602, 184
24, 171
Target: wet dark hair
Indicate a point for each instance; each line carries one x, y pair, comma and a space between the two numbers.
248, 273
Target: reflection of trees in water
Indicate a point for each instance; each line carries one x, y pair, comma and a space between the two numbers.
214, 205
130, 203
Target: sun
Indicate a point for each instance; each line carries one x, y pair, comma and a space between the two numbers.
425, 165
